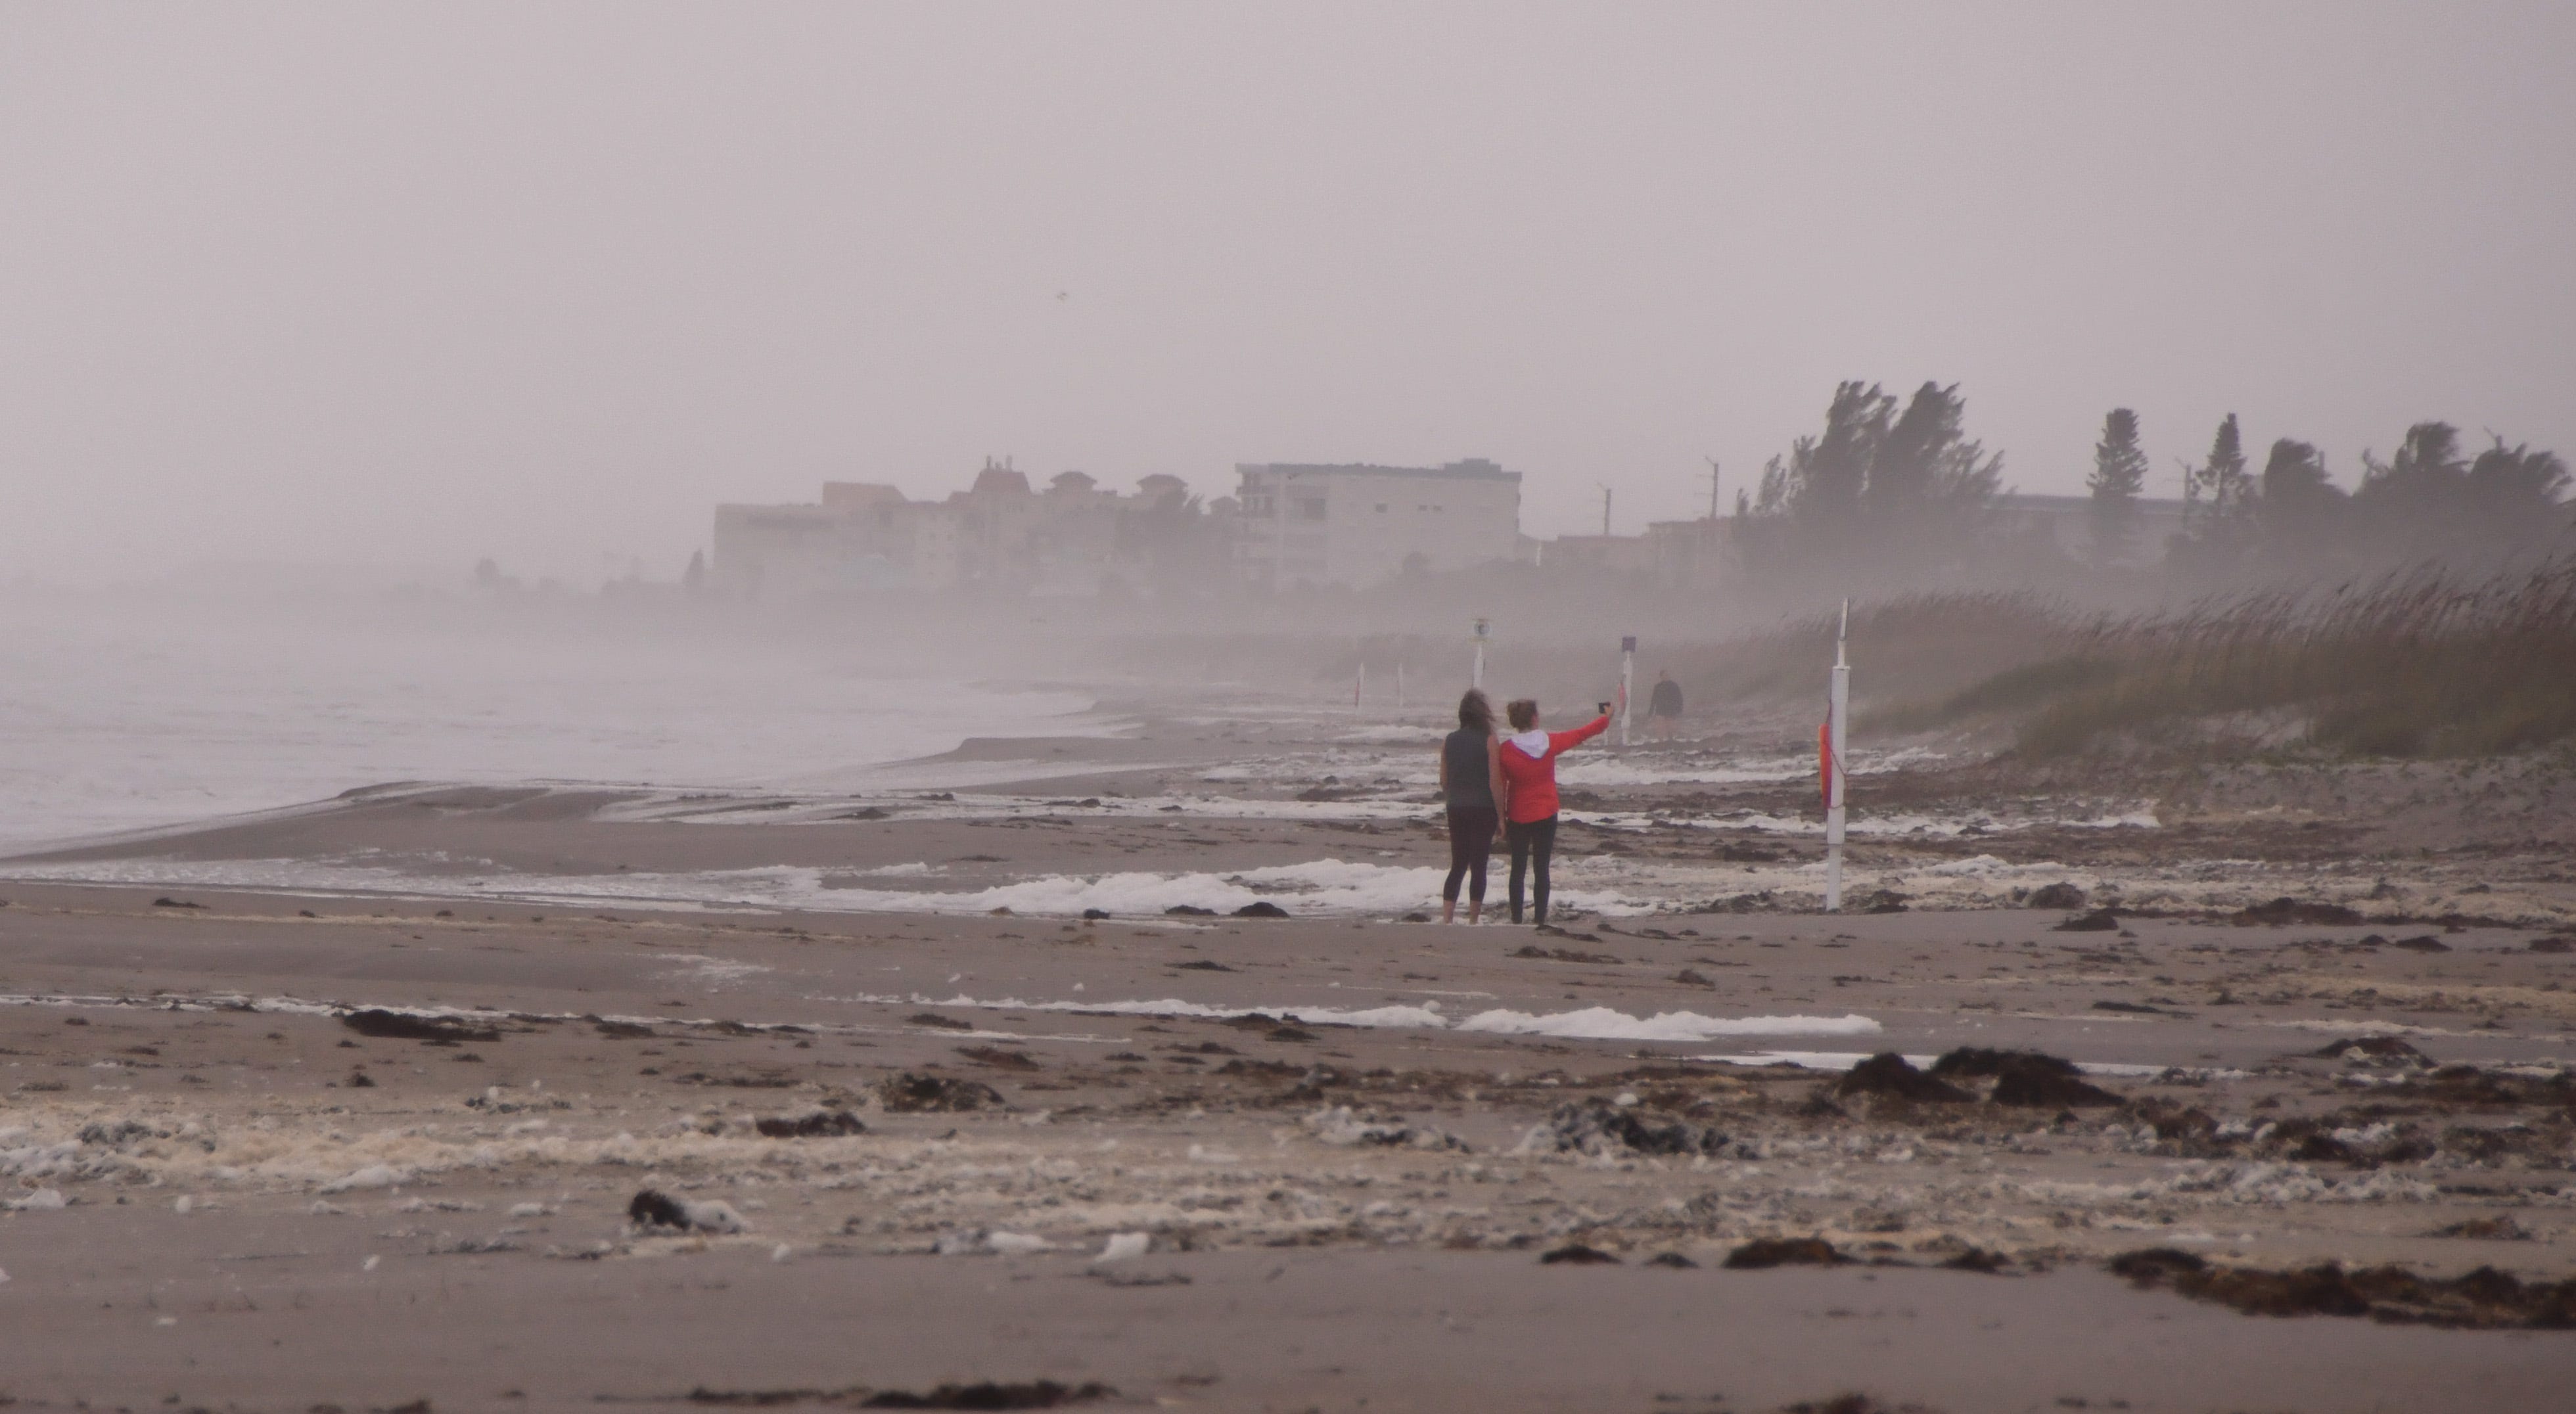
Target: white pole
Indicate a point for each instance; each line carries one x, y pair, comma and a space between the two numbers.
1482, 632
1356, 684
1627, 685
1835, 775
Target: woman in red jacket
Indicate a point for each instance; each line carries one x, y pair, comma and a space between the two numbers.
1526, 761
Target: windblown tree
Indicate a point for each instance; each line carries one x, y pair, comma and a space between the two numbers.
2301, 510
1894, 493
2119, 476
2219, 501
2431, 501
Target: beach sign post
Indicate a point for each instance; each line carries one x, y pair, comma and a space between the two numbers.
1627, 683
1837, 706
1483, 633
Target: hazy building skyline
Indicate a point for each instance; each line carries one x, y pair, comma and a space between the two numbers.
417, 285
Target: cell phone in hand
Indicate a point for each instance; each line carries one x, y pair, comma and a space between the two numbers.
1605, 709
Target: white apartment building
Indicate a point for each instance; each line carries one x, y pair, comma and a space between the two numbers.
1358, 525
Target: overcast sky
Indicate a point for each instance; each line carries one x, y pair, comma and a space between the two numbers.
416, 284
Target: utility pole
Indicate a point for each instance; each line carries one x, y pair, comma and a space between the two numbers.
1712, 488
1838, 705
1483, 632
1605, 510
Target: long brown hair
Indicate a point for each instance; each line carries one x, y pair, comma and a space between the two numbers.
1524, 713
1475, 714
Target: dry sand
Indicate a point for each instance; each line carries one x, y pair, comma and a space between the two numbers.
1347, 1140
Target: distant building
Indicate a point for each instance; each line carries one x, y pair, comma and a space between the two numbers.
997, 536
1357, 525
2067, 521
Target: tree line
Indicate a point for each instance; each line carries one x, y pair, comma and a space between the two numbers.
1894, 492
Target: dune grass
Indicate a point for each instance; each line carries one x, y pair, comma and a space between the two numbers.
2418, 664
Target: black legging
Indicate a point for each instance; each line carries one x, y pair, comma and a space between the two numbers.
1533, 842
1471, 841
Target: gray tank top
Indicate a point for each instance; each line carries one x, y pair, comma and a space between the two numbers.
1471, 783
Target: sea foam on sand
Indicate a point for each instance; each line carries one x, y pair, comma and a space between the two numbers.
1328, 886
1588, 1023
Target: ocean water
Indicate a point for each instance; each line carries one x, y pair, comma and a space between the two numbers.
116, 716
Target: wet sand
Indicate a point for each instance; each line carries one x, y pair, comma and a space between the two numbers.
1347, 1140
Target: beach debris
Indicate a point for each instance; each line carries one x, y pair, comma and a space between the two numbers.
652, 1209
2482, 1298
2554, 943
1125, 1246
1337, 1124
1976, 1259
166, 902
1261, 908
1202, 965
2501, 1229
2424, 942
360, 1080
815, 1124
998, 1057
1892, 1075
2057, 895
1094, 915
2290, 910
914, 1093
932, 1018
1689, 977
1856, 1403
1576, 1254
117, 1134
1188, 910
1600, 1128
2029, 1079
386, 1025
1672, 1259
1562, 955
2377, 1052
1765, 1252
621, 1030
2100, 920
1035, 1394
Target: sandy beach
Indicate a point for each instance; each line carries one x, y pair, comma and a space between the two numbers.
980, 1071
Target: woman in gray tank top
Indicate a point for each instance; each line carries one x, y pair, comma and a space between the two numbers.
1468, 786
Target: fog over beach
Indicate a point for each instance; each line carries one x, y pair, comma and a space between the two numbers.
1753, 709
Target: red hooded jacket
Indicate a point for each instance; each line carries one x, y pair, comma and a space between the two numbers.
1531, 780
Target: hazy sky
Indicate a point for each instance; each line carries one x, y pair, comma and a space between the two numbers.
414, 284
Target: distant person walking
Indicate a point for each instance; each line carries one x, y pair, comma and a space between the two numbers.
1526, 761
1470, 784
1663, 707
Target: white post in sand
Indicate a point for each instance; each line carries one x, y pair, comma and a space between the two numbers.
1838, 705
1627, 684
1483, 631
